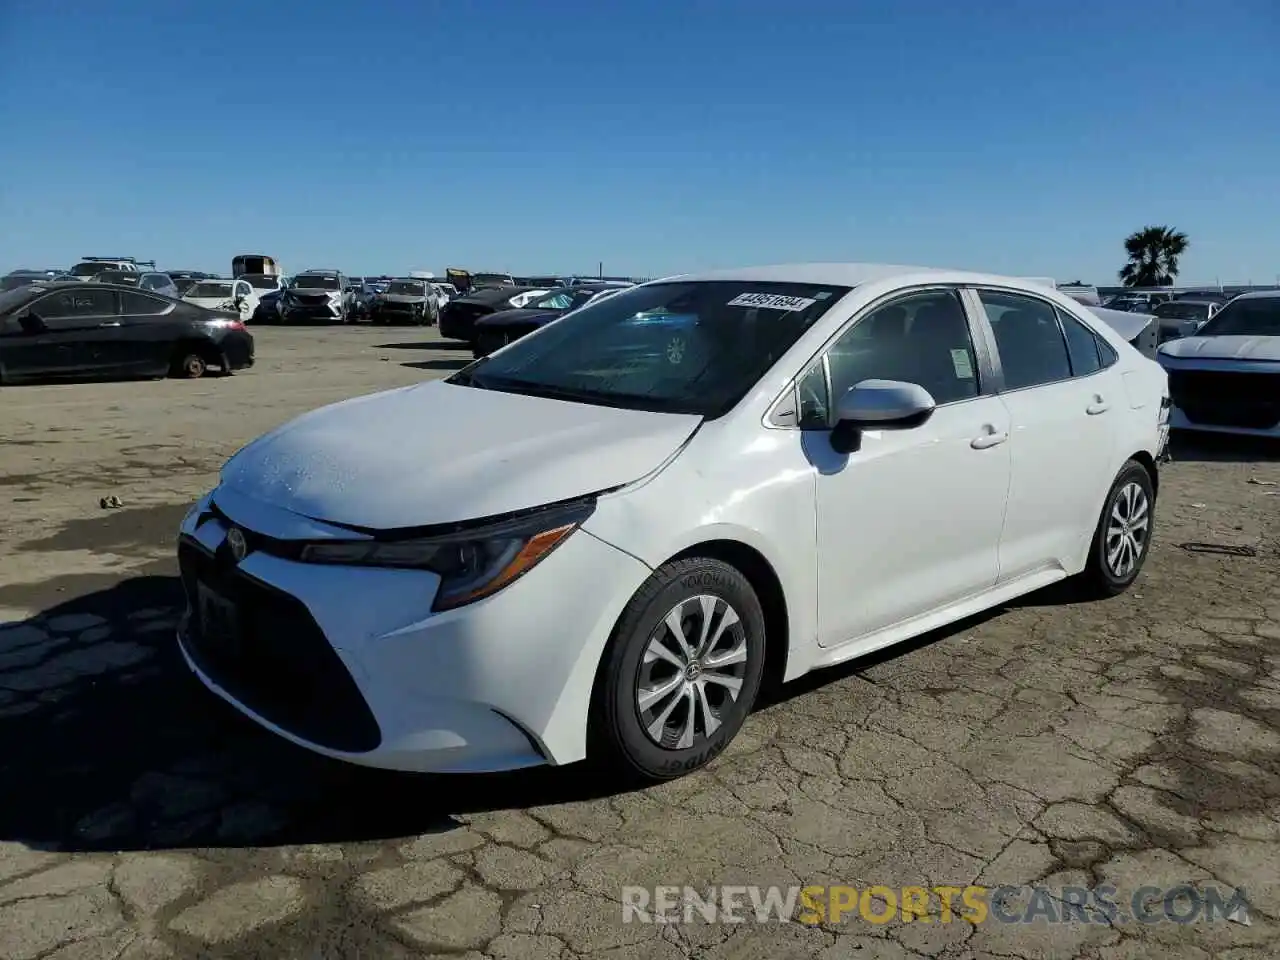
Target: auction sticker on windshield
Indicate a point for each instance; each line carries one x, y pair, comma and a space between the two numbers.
771, 301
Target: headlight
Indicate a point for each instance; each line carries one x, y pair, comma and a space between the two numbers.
471, 564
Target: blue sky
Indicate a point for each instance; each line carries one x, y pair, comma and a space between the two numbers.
1020, 136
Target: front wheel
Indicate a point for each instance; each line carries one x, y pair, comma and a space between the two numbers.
1122, 538
681, 673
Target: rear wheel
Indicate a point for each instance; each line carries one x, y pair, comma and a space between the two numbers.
681, 673
189, 362
1122, 538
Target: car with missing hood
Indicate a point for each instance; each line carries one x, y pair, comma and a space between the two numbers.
459, 316
1225, 378
406, 300
498, 329
317, 296
618, 528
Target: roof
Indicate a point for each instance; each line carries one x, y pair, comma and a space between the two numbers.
857, 274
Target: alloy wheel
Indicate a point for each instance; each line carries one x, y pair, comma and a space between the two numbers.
692, 671
1127, 527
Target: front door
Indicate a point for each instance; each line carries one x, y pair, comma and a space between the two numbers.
909, 523
59, 327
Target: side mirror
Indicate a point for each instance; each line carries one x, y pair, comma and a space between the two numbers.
879, 405
31, 323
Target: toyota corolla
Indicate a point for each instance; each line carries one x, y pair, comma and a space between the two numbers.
600, 540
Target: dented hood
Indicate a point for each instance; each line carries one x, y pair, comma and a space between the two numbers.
442, 453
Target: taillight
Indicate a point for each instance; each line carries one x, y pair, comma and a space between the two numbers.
236, 325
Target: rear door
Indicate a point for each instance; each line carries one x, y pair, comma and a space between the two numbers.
1063, 397
140, 342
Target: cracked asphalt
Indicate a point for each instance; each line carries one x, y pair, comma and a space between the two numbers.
1134, 741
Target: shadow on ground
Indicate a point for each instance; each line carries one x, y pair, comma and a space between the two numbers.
109, 743
426, 345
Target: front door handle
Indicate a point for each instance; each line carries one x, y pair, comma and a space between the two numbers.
989, 439
1098, 406
110, 323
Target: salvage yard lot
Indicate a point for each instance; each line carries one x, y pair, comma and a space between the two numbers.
1134, 741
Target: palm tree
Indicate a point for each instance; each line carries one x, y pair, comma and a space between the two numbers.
1153, 256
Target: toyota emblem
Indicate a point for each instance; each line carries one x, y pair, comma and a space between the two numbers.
236, 541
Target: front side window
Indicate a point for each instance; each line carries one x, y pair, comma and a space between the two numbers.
71, 304
1245, 317
1028, 338
683, 347
922, 338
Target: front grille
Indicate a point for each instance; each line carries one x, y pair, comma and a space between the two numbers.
312, 299
281, 666
1227, 398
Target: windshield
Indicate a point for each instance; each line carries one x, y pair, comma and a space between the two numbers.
562, 300
412, 288
315, 282
210, 290
1248, 316
118, 276
1183, 310
683, 347
261, 281
86, 269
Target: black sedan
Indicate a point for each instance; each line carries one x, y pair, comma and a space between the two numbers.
103, 330
459, 316
498, 329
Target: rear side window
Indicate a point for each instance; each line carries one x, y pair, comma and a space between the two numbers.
134, 304
70, 304
1028, 338
1082, 346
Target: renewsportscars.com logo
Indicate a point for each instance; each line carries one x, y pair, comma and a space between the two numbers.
812, 905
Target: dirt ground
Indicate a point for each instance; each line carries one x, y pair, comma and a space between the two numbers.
1134, 742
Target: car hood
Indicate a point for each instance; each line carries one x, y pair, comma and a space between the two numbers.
208, 303
523, 318
442, 453
315, 291
403, 297
1224, 348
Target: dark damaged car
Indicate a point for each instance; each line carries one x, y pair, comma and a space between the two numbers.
79, 330
498, 329
459, 316
405, 301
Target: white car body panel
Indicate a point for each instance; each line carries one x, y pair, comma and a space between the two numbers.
489, 460
248, 299
1002, 493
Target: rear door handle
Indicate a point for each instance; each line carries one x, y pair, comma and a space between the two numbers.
989, 439
1098, 406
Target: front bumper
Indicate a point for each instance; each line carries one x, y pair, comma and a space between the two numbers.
351, 662
310, 312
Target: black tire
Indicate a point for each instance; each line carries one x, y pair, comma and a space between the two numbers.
621, 740
1131, 490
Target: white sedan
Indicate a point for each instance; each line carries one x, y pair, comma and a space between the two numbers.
601, 539
233, 296
1226, 378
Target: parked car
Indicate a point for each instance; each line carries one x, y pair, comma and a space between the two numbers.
615, 529
228, 296
1183, 317
407, 300
20, 278
317, 295
160, 283
1226, 377
1140, 330
498, 329
362, 298
79, 330
457, 319
1136, 302
267, 309
90, 267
